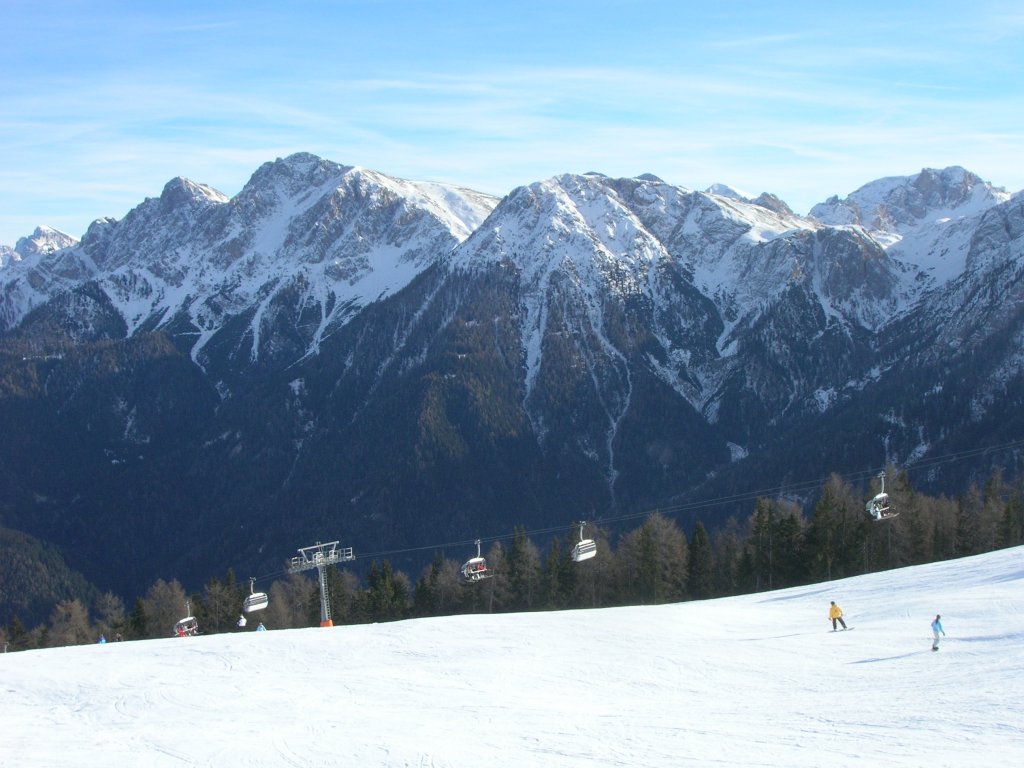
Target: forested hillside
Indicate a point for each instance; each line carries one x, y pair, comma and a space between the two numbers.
776, 546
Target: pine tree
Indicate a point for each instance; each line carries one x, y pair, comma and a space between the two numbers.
700, 569
944, 522
17, 636
968, 514
342, 597
426, 600
1011, 524
790, 566
164, 605
727, 549
69, 624
653, 562
499, 594
136, 629
914, 524
836, 532
524, 572
992, 512
288, 601
218, 608
761, 545
111, 619
558, 582
386, 597
746, 571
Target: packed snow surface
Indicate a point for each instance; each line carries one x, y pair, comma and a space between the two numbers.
758, 680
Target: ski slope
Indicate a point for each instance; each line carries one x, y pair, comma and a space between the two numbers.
757, 680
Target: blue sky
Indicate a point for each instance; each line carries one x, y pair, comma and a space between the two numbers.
101, 103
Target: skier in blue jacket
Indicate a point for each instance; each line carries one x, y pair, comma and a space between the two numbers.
936, 631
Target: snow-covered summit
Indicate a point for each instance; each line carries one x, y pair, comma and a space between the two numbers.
617, 229
181, 191
926, 220
574, 221
724, 190
43, 241
897, 204
297, 180
41, 266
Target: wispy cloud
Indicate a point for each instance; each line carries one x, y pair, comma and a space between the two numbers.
757, 97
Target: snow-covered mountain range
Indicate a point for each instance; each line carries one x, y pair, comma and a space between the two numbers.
351, 236
403, 359
342, 237
332, 238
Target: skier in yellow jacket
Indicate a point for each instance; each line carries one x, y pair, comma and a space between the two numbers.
836, 614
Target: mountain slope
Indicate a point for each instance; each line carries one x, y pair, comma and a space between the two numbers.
333, 352
923, 218
307, 240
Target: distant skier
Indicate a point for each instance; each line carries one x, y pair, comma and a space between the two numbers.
836, 614
102, 640
936, 631
261, 628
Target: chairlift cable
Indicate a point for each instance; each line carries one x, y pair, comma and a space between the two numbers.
675, 509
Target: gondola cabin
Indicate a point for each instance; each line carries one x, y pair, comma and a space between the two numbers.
879, 507
475, 569
585, 550
257, 601
186, 627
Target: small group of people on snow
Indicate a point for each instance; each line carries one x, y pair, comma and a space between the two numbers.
835, 615
242, 622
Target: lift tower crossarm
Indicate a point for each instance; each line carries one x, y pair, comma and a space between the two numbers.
320, 556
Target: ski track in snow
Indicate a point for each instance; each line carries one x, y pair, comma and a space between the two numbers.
750, 680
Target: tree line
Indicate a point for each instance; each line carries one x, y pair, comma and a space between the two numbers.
778, 545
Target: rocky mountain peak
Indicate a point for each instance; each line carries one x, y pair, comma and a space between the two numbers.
773, 203
896, 205
293, 175
724, 190
43, 241
180, 192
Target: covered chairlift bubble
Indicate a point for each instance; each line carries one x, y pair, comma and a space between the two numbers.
585, 549
879, 507
188, 626
256, 601
475, 568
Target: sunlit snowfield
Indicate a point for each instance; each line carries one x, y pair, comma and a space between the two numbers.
758, 680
